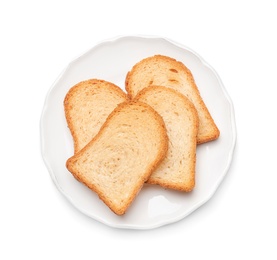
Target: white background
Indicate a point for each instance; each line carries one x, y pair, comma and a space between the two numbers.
39, 39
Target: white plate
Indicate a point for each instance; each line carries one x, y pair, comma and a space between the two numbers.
154, 206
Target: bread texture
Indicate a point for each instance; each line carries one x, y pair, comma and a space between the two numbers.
177, 170
87, 106
121, 157
165, 71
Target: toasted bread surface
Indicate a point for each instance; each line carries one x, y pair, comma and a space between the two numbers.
87, 106
177, 170
121, 157
166, 71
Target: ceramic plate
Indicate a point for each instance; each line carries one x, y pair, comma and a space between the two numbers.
154, 206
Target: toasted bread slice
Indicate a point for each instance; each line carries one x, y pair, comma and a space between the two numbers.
177, 170
87, 106
120, 158
165, 71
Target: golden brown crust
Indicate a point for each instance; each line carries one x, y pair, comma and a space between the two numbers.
142, 177
164, 71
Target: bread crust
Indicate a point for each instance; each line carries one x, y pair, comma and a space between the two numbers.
166, 71
181, 121
90, 179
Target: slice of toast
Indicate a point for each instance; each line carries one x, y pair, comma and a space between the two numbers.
120, 158
87, 106
177, 170
165, 71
